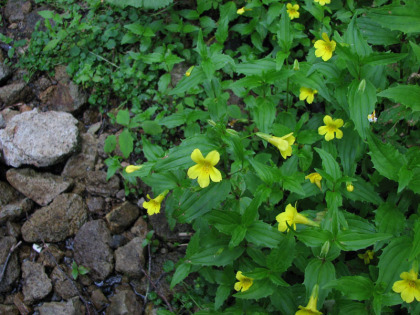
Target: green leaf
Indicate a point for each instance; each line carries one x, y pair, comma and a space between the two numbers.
265, 172
385, 157
174, 120
123, 117
146, 4
181, 272
375, 34
256, 67
396, 17
314, 237
354, 38
354, 287
237, 236
408, 95
318, 272
361, 104
151, 127
416, 50
393, 261
125, 140
110, 143
251, 212
415, 251
329, 164
264, 114
285, 32
222, 293
363, 191
281, 258
152, 152
258, 290
83, 270
216, 255
383, 58
389, 219
349, 240
161, 181
263, 234
197, 77
51, 45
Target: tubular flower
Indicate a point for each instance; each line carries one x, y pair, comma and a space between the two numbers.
205, 169
292, 10
315, 178
409, 287
308, 94
284, 144
323, 2
324, 48
242, 10
331, 127
367, 256
292, 217
153, 205
132, 168
189, 71
310, 309
244, 282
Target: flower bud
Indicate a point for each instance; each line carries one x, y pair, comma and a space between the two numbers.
296, 65
211, 122
362, 86
350, 187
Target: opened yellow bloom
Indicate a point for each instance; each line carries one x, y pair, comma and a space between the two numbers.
331, 127
324, 48
323, 2
190, 69
350, 187
153, 205
315, 178
284, 144
292, 10
205, 169
242, 10
310, 309
132, 168
292, 217
244, 282
367, 256
307, 94
409, 287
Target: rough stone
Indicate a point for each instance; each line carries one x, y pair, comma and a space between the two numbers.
2, 122
129, 259
62, 286
63, 97
96, 184
13, 93
13, 229
178, 72
91, 249
13, 10
39, 139
46, 259
78, 165
161, 227
16, 210
13, 269
122, 216
36, 284
54, 223
8, 114
5, 72
40, 187
71, 307
7, 194
140, 228
8, 310
99, 300
124, 302
95, 204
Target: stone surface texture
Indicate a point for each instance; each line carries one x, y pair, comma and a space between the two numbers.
13, 268
129, 259
36, 284
124, 302
7, 193
80, 164
96, 184
13, 93
122, 216
39, 139
16, 210
71, 307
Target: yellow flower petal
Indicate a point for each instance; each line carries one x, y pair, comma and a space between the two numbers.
215, 175
194, 171
203, 180
339, 134
197, 157
213, 157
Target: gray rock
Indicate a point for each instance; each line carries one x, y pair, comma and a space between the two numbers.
14, 93
8, 310
40, 187
161, 227
13, 10
54, 223
36, 284
98, 299
95, 204
91, 249
124, 302
140, 228
8, 114
62, 286
51, 257
71, 307
96, 184
129, 259
13, 269
63, 97
5, 72
78, 165
16, 210
39, 139
7, 194
2, 122
122, 216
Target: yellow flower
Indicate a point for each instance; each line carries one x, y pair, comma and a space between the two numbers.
323, 2
310, 309
242, 10
284, 144
324, 48
292, 10
205, 169
409, 287
308, 94
292, 217
190, 69
153, 205
330, 127
372, 117
315, 178
367, 256
132, 168
350, 187
244, 282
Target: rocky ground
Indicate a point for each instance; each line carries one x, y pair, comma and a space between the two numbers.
56, 206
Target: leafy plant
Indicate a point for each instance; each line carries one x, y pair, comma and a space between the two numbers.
78, 270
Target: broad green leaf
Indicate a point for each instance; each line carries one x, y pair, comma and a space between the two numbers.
125, 140
264, 114
318, 272
347, 151
237, 236
174, 120
404, 177
349, 240
329, 164
216, 255
361, 104
251, 212
375, 34
151, 127
258, 290
385, 157
415, 251
281, 258
222, 293
151, 151
197, 77
354, 287
256, 67
265, 173
181, 272
389, 219
416, 50
393, 261
285, 32
354, 38
294, 183
396, 17
408, 95
161, 181
123, 117
414, 184
383, 58
51, 44
284, 300
146, 4
363, 191
263, 234
223, 217
110, 143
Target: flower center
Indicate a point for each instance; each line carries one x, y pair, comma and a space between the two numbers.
328, 47
206, 168
331, 128
412, 284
